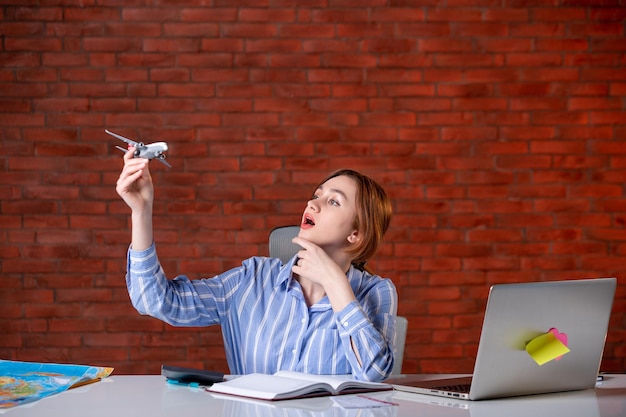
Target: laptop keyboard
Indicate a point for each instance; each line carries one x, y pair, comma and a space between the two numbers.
453, 388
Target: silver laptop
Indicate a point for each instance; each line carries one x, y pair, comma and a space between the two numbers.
518, 313
562, 404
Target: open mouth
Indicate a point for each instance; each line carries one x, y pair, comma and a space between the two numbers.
308, 220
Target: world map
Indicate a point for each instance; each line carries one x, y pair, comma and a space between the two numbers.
24, 382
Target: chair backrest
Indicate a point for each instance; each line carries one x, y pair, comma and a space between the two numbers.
281, 247
280, 242
402, 325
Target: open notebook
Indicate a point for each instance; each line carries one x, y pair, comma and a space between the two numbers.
536, 338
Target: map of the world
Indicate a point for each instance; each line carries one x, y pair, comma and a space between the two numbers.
24, 382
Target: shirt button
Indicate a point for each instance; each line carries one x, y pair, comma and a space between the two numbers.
293, 351
345, 324
303, 321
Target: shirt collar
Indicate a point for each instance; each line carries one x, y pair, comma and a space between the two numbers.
285, 276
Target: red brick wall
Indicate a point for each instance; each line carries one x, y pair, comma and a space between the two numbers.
499, 129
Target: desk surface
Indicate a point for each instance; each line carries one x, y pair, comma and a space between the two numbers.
120, 396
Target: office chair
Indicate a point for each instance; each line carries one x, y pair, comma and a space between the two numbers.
280, 242
402, 325
281, 247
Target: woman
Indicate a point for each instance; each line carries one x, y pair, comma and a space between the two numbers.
320, 313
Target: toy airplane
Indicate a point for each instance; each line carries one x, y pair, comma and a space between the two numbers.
150, 151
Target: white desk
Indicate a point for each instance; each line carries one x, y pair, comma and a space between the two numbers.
120, 396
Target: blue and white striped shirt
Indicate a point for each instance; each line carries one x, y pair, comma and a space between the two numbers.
266, 323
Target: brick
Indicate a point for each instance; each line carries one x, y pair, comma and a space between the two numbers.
365, 30
209, 14
612, 74
528, 249
462, 163
565, 118
597, 190
423, 104
51, 340
334, 75
507, 45
441, 264
539, 30
557, 147
474, 60
422, 134
581, 132
607, 117
577, 162
26, 44
132, 324
399, 119
307, 30
266, 15
581, 59
424, 30
504, 14
397, 14
454, 308
495, 235
114, 340
605, 29
350, 61
609, 14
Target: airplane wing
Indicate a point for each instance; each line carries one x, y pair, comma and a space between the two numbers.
162, 160
120, 137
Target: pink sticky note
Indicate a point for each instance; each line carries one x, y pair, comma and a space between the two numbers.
562, 338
